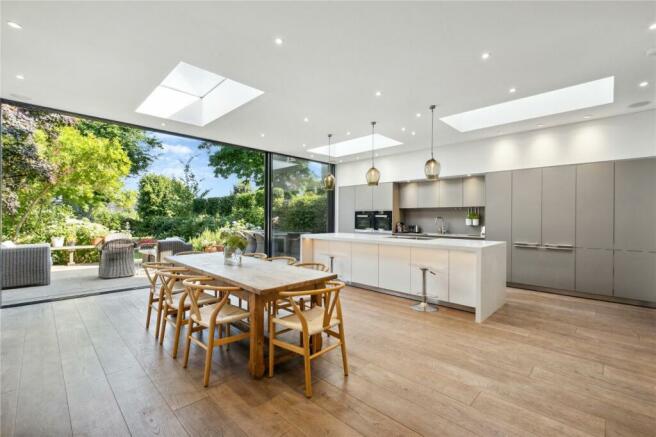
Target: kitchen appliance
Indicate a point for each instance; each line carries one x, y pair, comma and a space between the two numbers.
383, 221
364, 221
414, 229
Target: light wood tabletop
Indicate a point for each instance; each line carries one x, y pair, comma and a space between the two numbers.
261, 279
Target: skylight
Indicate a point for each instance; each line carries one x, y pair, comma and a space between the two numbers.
192, 95
356, 145
585, 95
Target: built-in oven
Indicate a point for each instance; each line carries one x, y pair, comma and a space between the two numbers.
364, 221
383, 221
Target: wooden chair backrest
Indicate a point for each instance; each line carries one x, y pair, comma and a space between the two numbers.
313, 266
196, 285
170, 277
257, 255
329, 296
289, 259
152, 268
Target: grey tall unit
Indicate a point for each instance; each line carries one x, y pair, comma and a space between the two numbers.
526, 222
498, 212
594, 227
363, 198
383, 195
635, 230
346, 206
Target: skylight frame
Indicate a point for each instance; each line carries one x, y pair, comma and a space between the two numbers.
354, 146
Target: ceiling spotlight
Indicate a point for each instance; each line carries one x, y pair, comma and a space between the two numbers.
20, 77
587, 116
512, 90
162, 124
311, 155
304, 146
348, 133
278, 41
378, 93
412, 133
402, 129
306, 119
468, 175
340, 161
540, 125
652, 27
14, 25
262, 135
643, 84
485, 56
418, 114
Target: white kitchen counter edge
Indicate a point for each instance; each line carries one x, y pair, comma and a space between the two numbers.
438, 243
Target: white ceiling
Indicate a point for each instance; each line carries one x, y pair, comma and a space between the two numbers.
104, 58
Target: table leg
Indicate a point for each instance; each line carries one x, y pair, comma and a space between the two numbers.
71, 257
256, 359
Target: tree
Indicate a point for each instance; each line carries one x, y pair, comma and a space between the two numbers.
229, 160
84, 171
191, 181
162, 196
137, 143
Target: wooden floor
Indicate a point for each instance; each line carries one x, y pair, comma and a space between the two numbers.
543, 365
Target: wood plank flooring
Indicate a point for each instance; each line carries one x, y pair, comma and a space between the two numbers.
543, 365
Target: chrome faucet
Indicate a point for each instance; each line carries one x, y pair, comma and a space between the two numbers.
441, 228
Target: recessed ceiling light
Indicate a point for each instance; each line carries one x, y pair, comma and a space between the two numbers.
412, 133
262, 135
311, 155
642, 84
585, 95
653, 26
378, 93
163, 124
196, 96
587, 116
418, 114
20, 77
348, 133
468, 175
304, 146
340, 161
278, 41
403, 129
14, 25
512, 90
540, 125
485, 56
306, 119
356, 145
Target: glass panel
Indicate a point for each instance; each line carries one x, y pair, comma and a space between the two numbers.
299, 202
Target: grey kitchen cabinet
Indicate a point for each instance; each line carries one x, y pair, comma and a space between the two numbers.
594, 271
346, 213
594, 206
363, 198
635, 204
555, 269
408, 195
635, 275
450, 193
473, 191
525, 265
558, 205
383, 196
428, 194
526, 207
498, 211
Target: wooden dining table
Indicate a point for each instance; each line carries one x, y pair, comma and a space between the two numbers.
260, 280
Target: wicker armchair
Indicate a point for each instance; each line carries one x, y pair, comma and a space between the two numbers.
171, 247
25, 265
117, 259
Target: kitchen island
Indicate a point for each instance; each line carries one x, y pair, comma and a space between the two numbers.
468, 274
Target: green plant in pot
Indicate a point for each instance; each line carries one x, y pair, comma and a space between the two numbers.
234, 242
470, 218
475, 218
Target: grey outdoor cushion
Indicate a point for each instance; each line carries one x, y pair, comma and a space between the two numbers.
25, 265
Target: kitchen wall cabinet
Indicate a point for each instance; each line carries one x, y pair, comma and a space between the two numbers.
383, 196
346, 206
437, 286
635, 275
527, 206
364, 264
594, 205
635, 204
450, 193
473, 191
498, 211
394, 268
594, 271
363, 198
408, 193
558, 205
428, 194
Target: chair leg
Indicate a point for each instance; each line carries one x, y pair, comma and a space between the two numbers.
179, 321
150, 309
308, 370
165, 316
343, 347
208, 357
160, 306
272, 348
190, 331
227, 333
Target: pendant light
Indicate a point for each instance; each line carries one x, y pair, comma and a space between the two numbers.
329, 180
373, 175
432, 166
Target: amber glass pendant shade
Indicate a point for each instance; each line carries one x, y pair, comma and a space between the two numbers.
373, 176
432, 169
329, 182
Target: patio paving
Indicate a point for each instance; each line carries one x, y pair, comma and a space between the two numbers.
72, 281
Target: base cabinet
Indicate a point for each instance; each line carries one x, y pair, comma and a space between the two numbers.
635, 275
341, 251
594, 271
394, 268
364, 264
437, 285
462, 280
556, 269
526, 265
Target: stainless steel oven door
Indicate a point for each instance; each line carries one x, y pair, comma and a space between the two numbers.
383, 221
363, 221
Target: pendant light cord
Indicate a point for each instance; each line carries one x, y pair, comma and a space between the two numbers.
432, 108
373, 126
329, 137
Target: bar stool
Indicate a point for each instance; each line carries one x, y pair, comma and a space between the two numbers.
332, 261
424, 306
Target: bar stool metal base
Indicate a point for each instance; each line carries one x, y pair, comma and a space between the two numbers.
424, 307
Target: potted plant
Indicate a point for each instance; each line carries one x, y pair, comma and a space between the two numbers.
470, 218
234, 242
71, 236
475, 219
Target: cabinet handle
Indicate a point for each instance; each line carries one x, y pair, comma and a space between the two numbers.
557, 247
562, 246
526, 245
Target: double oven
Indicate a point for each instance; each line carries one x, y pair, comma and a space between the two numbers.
373, 221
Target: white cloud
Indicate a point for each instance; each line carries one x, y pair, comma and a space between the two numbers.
177, 150
173, 172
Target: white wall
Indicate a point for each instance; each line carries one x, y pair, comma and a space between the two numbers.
622, 137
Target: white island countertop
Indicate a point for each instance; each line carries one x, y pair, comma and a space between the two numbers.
435, 243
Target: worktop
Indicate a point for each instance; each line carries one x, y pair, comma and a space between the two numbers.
468, 274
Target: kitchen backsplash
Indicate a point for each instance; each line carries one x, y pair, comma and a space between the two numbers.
454, 218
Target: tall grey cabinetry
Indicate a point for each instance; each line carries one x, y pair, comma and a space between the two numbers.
594, 228
363, 198
498, 189
635, 229
346, 206
543, 227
